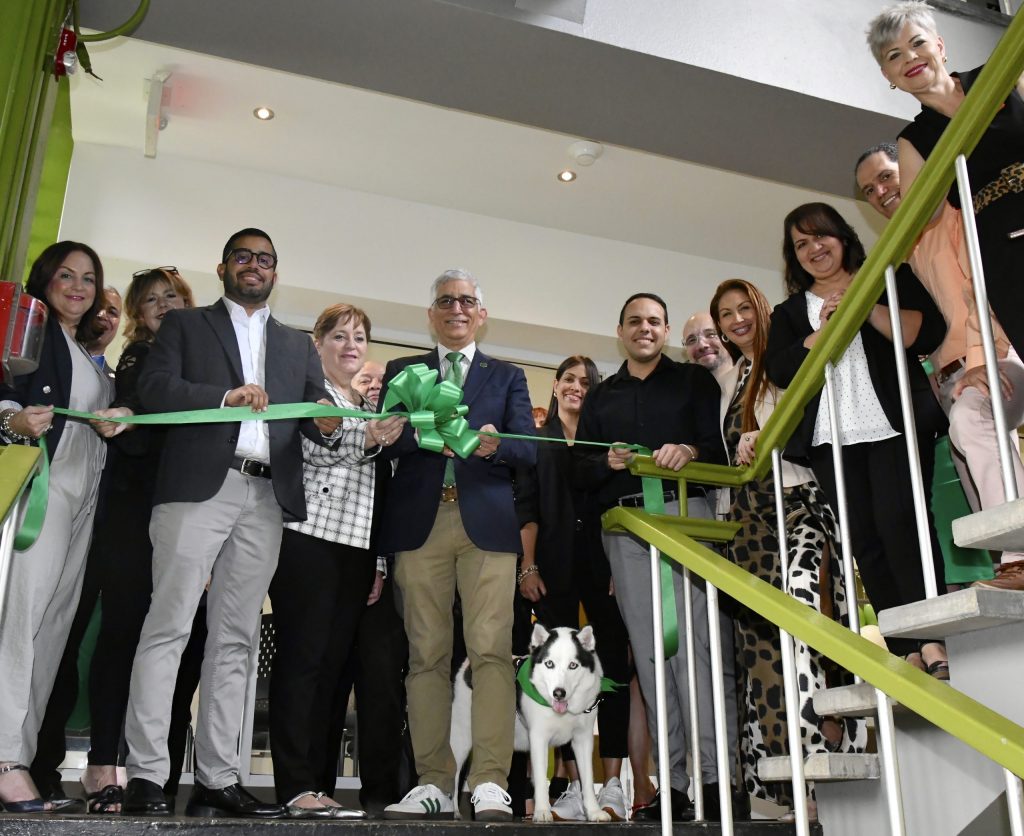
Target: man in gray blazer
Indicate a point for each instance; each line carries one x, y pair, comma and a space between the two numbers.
223, 492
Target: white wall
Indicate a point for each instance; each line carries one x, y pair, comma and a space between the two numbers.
549, 293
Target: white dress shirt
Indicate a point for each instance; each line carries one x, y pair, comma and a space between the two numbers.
468, 353
251, 334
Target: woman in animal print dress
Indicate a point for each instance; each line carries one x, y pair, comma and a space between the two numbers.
741, 314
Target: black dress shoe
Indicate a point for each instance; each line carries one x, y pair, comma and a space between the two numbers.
713, 807
233, 800
144, 798
682, 808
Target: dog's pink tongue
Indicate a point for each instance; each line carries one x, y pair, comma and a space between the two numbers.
560, 706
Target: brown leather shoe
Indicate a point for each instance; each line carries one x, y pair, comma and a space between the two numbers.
1008, 576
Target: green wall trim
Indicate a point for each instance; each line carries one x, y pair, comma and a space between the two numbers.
27, 92
18, 465
975, 724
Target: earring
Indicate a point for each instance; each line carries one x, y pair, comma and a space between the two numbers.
944, 59
892, 86
723, 338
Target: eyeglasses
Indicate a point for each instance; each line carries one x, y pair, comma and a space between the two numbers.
708, 334
148, 270
468, 303
268, 261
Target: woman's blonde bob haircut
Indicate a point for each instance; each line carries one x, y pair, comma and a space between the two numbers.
885, 28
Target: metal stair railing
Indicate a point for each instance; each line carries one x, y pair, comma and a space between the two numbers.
18, 467
986, 731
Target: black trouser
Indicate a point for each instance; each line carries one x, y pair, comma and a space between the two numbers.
883, 533
377, 669
318, 594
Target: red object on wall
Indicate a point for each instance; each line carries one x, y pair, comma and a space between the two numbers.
22, 324
65, 61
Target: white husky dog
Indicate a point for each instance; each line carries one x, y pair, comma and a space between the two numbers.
557, 690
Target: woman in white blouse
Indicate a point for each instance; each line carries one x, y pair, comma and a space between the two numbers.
325, 574
822, 254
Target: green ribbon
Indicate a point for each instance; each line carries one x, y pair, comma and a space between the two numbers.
523, 678
35, 512
654, 503
434, 409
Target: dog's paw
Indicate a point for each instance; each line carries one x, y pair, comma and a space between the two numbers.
544, 815
597, 814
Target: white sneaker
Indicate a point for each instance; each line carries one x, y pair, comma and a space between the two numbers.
612, 800
491, 803
423, 802
569, 806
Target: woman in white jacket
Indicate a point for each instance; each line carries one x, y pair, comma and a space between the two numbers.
741, 314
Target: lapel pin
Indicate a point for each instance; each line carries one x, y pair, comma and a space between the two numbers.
483, 364
46, 390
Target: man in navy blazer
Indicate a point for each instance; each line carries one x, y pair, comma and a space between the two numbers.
452, 526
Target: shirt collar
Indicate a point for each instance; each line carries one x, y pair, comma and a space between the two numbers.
469, 352
239, 314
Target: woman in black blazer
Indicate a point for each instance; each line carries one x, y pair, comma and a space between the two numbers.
564, 564
822, 255
46, 578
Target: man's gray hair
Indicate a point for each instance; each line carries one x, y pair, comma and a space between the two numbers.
888, 148
456, 275
885, 28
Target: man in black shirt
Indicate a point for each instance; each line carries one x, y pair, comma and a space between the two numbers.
672, 409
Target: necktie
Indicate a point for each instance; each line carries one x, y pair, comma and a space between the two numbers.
454, 375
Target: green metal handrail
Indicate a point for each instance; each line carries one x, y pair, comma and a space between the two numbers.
18, 466
973, 723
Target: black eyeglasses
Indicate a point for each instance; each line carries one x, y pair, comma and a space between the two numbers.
468, 303
268, 261
708, 334
167, 269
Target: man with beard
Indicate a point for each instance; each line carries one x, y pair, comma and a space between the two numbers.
703, 345
223, 492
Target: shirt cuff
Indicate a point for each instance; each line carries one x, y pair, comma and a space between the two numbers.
382, 565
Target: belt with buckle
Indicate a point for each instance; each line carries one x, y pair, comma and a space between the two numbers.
950, 369
637, 500
449, 493
1010, 179
251, 467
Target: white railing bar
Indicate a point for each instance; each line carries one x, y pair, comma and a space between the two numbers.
660, 697
849, 580
890, 764
985, 325
723, 756
791, 691
691, 686
924, 539
1015, 803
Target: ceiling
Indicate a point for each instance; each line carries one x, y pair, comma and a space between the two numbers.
686, 180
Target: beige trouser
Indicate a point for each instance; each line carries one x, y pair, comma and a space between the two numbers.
427, 578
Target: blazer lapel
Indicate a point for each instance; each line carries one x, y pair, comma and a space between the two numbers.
479, 370
220, 320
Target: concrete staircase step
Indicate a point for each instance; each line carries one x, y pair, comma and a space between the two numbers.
1000, 528
822, 767
848, 701
957, 613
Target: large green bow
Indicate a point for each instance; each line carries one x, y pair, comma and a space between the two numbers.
434, 409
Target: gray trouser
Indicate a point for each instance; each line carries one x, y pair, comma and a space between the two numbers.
236, 536
630, 562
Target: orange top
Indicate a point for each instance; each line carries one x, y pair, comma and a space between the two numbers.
939, 260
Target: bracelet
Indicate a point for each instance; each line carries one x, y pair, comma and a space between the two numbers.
523, 574
5, 428
693, 451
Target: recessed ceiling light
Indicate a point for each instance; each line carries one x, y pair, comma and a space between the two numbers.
566, 176
264, 114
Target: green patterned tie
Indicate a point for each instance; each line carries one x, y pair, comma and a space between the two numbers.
454, 375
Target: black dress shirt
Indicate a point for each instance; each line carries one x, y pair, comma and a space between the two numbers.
675, 404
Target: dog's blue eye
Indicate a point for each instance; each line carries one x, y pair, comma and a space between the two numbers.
573, 666
549, 664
